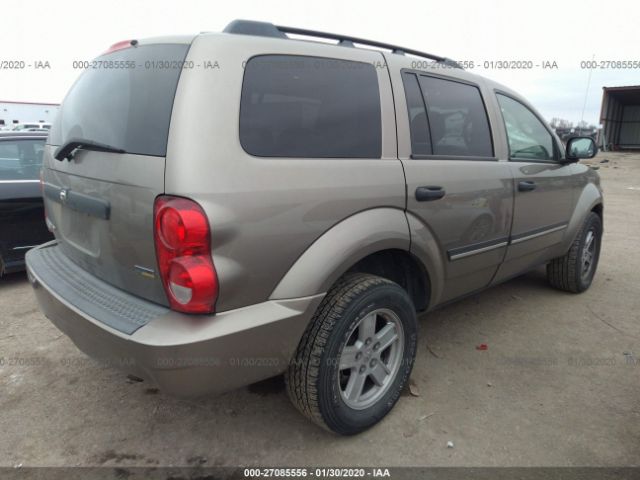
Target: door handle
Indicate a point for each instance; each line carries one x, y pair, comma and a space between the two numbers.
428, 193
526, 186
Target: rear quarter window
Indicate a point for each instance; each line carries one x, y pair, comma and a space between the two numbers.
310, 107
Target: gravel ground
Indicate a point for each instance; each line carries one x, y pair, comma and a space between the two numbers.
557, 386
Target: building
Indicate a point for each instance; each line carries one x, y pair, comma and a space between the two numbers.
12, 113
620, 118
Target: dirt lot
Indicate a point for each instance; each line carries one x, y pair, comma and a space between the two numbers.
558, 384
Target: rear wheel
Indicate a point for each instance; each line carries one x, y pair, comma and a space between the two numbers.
574, 271
355, 356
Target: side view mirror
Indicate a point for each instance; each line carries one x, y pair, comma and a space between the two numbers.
581, 148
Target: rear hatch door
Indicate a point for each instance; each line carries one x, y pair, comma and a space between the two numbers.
100, 203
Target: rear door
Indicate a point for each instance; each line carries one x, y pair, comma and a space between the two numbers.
455, 183
544, 195
101, 204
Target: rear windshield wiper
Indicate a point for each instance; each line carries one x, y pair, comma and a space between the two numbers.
66, 150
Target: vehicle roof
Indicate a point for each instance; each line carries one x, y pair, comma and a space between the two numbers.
395, 56
9, 134
264, 32
408, 62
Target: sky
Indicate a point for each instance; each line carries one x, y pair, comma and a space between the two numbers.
560, 35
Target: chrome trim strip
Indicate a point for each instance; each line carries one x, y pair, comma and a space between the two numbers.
510, 241
478, 250
144, 269
538, 234
26, 247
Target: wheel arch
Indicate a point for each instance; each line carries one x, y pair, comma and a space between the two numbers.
376, 241
401, 267
590, 200
598, 209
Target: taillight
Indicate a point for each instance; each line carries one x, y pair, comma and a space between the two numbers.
183, 249
121, 46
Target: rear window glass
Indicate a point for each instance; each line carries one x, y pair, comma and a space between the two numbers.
21, 159
295, 106
125, 101
457, 118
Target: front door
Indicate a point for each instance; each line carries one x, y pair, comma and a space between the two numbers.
544, 197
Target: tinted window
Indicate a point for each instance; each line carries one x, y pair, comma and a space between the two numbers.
127, 107
457, 118
295, 106
528, 138
420, 141
21, 159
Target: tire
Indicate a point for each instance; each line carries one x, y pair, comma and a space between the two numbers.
569, 272
328, 394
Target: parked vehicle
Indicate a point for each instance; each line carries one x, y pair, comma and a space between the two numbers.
22, 224
294, 210
31, 126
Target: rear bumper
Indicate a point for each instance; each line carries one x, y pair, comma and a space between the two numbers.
184, 355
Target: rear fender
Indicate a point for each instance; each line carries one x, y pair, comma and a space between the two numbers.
426, 249
339, 248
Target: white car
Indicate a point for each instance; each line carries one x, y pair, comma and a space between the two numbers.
31, 125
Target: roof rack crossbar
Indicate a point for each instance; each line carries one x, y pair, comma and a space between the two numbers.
249, 27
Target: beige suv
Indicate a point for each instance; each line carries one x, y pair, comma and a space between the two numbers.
232, 206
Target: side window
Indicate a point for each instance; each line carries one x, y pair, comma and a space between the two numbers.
419, 128
457, 118
296, 106
21, 159
528, 138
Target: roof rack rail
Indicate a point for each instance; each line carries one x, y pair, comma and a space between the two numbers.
266, 29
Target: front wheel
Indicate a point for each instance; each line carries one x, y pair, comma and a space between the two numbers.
356, 354
574, 271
